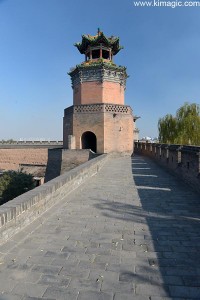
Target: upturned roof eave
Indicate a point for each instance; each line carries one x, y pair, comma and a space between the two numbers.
112, 42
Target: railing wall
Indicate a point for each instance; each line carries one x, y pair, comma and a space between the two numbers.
182, 160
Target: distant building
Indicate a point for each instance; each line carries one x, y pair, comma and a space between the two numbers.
135, 129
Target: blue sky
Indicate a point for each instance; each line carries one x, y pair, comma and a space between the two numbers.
161, 53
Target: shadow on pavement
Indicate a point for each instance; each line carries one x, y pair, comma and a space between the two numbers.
166, 234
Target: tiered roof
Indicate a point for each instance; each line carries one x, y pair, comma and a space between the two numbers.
90, 40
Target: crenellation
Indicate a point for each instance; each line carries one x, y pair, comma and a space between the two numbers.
184, 161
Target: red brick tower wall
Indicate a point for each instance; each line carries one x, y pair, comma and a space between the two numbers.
97, 92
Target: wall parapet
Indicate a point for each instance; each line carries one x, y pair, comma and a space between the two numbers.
101, 107
182, 160
21, 211
30, 144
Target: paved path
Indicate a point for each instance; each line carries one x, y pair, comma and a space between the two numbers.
133, 232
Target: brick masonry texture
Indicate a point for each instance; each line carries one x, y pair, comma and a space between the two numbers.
98, 92
12, 158
53, 162
114, 131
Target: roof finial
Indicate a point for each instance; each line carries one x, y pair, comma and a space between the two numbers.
99, 31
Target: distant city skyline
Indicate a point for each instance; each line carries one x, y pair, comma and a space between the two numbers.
161, 53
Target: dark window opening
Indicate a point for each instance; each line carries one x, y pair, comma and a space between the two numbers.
105, 54
89, 141
95, 54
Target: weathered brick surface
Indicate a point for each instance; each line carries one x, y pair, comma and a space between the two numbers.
12, 158
63, 160
114, 131
97, 92
118, 133
54, 161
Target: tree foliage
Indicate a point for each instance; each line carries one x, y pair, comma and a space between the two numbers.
13, 184
184, 128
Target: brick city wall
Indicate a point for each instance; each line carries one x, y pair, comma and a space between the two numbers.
97, 92
183, 161
10, 159
63, 160
21, 211
30, 144
54, 161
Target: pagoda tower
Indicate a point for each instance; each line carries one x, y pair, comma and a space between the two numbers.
98, 119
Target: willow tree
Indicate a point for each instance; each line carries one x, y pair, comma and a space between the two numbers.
184, 128
167, 127
188, 121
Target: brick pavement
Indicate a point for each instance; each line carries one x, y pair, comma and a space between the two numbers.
131, 232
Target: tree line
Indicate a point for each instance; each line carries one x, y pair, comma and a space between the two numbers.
183, 128
13, 184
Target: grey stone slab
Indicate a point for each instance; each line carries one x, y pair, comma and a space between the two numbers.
176, 255
61, 262
60, 294
6, 285
91, 295
107, 259
104, 276
181, 271
13, 265
80, 284
98, 251
191, 280
54, 280
185, 291
149, 271
152, 290
39, 260
167, 298
168, 280
92, 265
74, 272
29, 289
19, 275
16, 257
34, 298
121, 267
47, 269
117, 286
129, 296
56, 254
6, 296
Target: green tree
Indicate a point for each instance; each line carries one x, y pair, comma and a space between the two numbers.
13, 184
184, 128
188, 122
167, 127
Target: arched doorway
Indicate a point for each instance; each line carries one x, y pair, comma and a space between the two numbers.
89, 141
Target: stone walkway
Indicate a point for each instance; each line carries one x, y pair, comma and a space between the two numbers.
133, 232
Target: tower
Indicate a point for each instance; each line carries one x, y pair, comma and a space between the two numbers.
98, 119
